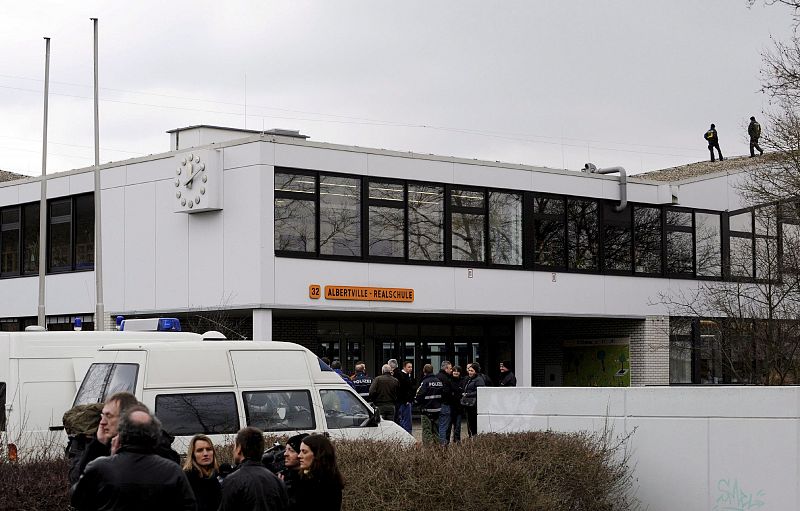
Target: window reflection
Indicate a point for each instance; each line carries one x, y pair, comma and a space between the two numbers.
9, 240
708, 244
212, 413
680, 243
286, 410
617, 239
583, 233
386, 219
343, 409
505, 228
60, 234
340, 216
647, 231
468, 225
549, 232
295, 225
741, 244
425, 222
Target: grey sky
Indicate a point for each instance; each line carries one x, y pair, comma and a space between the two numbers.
554, 83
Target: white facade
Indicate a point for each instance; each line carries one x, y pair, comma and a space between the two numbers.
159, 261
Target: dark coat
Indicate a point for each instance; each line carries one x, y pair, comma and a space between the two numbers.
207, 490
252, 487
384, 390
362, 383
429, 395
318, 495
471, 387
407, 389
508, 379
91, 451
133, 479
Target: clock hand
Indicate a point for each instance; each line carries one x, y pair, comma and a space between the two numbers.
191, 175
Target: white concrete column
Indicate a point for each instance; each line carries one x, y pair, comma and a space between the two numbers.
262, 324
523, 351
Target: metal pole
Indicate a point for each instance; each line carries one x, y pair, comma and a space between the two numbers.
99, 318
43, 199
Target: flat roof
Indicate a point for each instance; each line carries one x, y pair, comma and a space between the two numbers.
707, 169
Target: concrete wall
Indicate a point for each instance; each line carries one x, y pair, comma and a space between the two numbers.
692, 448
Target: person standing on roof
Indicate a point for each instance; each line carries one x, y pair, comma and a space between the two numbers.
713, 141
754, 130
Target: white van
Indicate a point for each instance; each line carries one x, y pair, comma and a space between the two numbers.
39, 375
217, 387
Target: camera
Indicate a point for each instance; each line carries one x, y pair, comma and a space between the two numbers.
273, 458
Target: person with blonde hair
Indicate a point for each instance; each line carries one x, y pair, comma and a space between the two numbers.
201, 468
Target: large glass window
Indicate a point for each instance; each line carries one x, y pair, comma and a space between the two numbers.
387, 219
617, 239
9, 241
343, 409
84, 232
680, 243
583, 234
505, 228
425, 222
647, 235
285, 410
30, 238
60, 247
790, 237
741, 244
549, 232
339, 216
468, 224
212, 413
708, 244
295, 212
104, 380
766, 239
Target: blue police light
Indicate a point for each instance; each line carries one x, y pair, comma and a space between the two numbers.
77, 325
169, 325
120, 319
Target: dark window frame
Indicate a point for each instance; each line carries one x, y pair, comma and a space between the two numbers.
368, 203
661, 247
279, 194
669, 228
722, 235
72, 265
626, 222
744, 235
232, 431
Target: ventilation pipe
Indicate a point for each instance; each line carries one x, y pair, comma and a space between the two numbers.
591, 168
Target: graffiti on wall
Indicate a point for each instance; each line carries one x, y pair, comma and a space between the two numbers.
732, 497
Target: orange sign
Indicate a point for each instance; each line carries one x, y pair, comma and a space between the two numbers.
369, 294
314, 291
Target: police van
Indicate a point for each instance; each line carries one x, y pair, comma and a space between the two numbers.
40, 372
216, 387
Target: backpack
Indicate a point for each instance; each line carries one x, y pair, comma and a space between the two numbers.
82, 419
709, 135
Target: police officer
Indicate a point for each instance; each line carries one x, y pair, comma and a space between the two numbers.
713, 142
361, 380
754, 130
429, 399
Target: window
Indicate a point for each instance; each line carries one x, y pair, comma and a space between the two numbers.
295, 212
425, 222
680, 245
708, 244
2, 406
647, 236
339, 216
741, 244
10, 241
766, 238
104, 380
387, 219
84, 232
30, 238
286, 410
790, 237
617, 239
212, 413
582, 234
67, 323
468, 224
505, 228
343, 409
60, 249
549, 232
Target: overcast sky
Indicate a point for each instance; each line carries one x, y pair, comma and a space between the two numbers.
552, 83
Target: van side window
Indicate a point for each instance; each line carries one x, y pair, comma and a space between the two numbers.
284, 410
2, 406
211, 413
343, 409
104, 380
323, 366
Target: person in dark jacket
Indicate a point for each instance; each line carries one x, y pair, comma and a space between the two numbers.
470, 398
107, 429
456, 410
320, 485
291, 472
448, 392
201, 468
362, 381
754, 131
134, 478
383, 392
252, 487
713, 142
429, 399
405, 394
507, 378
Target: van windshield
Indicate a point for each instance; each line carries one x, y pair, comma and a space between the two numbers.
104, 380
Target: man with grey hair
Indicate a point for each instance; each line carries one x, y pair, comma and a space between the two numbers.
134, 477
383, 392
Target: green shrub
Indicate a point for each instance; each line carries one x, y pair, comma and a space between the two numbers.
519, 471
